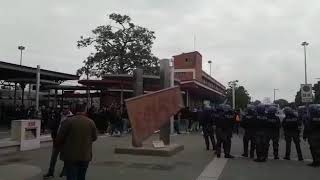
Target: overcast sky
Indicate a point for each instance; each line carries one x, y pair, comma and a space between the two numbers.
254, 41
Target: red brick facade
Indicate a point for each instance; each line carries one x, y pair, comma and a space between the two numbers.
184, 76
188, 61
188, 66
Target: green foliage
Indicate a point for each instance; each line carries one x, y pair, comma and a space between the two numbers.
316, 88
298, 100
256, 102
119, 49
282, 103
242, 96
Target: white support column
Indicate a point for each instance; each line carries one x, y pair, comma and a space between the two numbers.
187, 97
233, 95
29, 95
171, 85
121, 100
37, 88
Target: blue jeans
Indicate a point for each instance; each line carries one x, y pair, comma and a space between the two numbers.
76, 170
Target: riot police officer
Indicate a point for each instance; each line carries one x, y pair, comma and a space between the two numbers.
273, 130
291, 126
261, 134
207, 127
312, 133
248, 124
224, 126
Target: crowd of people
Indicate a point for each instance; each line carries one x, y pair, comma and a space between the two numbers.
191, 120
69, 129
262, 125
111, 120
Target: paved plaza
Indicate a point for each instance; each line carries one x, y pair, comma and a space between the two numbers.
191, 164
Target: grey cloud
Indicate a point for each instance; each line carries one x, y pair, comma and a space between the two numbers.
257, 42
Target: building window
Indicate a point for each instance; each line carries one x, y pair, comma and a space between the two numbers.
180, 74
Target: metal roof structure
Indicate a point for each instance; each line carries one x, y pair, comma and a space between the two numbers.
72, 88
125, 81
11, 71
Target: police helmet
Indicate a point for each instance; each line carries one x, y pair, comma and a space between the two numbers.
213, 109
261, 109
219, 108
272, 110
227, 108
288, 111
251, 109
314, 109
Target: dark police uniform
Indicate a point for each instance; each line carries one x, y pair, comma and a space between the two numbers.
261, 134
291, 126
273, 131
312, 133
207, 128
224, 127
249, 125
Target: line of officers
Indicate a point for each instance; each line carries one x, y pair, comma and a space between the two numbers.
262, 126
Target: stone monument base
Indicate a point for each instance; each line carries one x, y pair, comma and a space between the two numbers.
20, 172
166, 151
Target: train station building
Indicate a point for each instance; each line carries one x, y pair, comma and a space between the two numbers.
197, 86
17, 86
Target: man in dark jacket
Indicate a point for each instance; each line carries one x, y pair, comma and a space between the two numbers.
291, 126
74, 140
207, 127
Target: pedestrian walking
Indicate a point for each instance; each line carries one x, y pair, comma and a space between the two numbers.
207, 128
177, 118
193, 120
237, 121
74, 140
186, 117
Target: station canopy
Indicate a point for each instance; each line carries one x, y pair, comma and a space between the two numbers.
125, 82
17, 73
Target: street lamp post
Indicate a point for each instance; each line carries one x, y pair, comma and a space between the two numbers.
305, 44
233, 83
210, 62
21, 48
274, 95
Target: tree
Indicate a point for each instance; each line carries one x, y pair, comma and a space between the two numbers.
256, 102
242, 96
298, 100
293, 105
266, 100
316, 88
119, 49
282, 103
